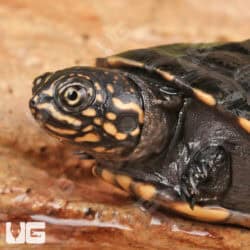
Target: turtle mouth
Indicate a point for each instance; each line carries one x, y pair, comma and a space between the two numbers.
63, 132
41, 116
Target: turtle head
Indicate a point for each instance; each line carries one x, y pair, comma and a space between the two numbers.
99, 110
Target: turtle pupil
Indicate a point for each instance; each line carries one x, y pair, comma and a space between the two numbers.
72, 95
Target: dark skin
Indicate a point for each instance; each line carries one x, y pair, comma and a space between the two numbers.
173, 121
217, 167
201, 178
186, 152
204, 172
206, 160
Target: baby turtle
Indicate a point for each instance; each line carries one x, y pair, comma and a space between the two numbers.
168, 124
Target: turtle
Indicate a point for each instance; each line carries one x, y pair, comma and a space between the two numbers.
170, 124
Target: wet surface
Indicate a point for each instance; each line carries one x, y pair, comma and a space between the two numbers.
40, 178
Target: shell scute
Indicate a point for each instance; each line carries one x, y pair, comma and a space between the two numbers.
218, 74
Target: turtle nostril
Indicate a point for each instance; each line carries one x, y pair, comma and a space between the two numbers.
32, 103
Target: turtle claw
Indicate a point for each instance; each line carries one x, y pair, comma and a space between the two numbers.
184, 192
192, 202
188, 196
204, 171
190, 181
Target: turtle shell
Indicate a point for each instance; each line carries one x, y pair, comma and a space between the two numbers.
218, 74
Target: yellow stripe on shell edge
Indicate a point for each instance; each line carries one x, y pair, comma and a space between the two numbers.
166, 75
209, 214
124, 182
145, 191
244, 123
200, 95
204, 97
108, 176
116, 61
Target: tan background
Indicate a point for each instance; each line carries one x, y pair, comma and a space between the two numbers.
40, 176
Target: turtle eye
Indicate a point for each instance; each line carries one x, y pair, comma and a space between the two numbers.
76, 96
73, 96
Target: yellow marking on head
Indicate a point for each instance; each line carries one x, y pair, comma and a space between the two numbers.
60, 130
90, 137
98, 121
116, 61
90, 91
244, 123
99, 98
108, 176
89, 112
135, 132
112, 150
110, 88
97, 86
124, 181
84, 76
110, 128
99, 149
111, 116
204, 97
49, 92
129, 106
58, 115
35, 98
121, 136
88, 128
209, 214
145, 191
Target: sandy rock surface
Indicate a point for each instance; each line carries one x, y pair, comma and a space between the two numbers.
41, 179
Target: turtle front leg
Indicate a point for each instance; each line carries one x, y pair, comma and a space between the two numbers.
201, 180
139, 189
